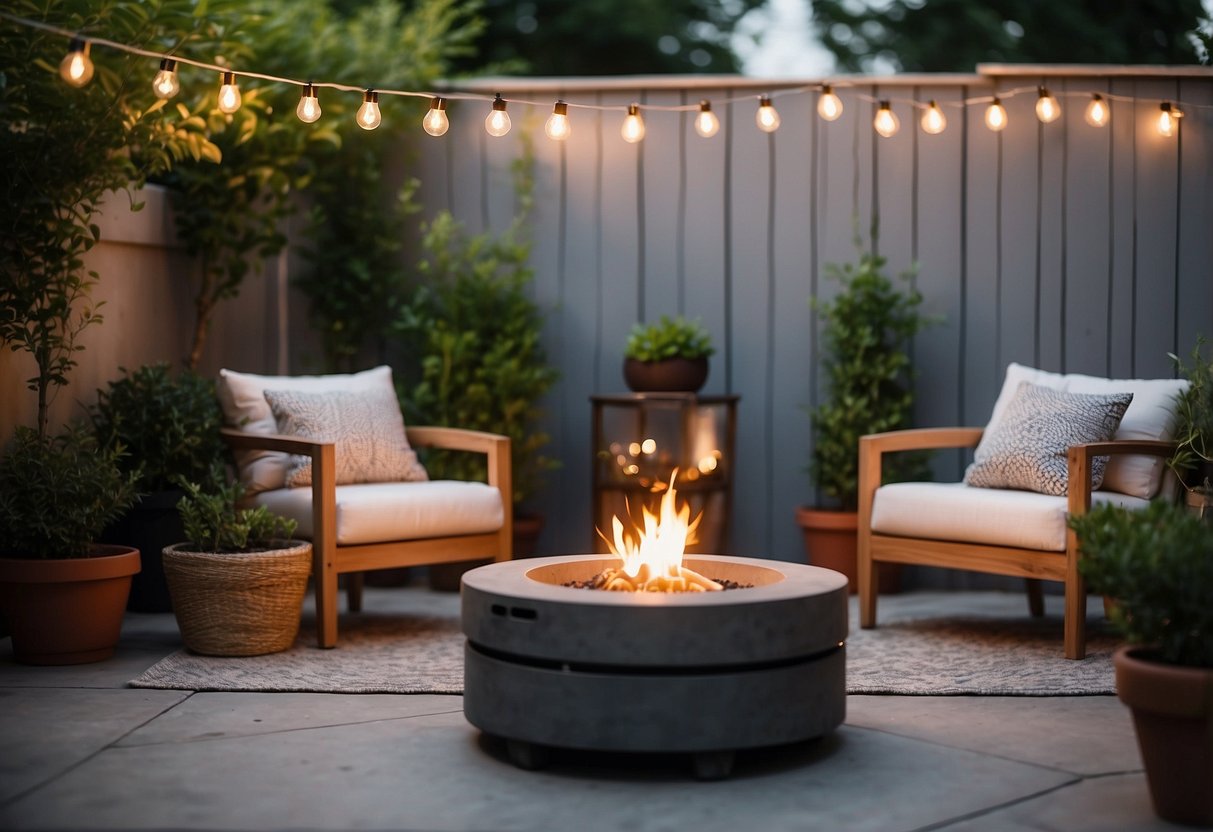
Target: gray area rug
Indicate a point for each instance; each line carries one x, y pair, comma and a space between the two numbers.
934, 643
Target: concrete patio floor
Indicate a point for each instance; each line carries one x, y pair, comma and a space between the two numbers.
80, 750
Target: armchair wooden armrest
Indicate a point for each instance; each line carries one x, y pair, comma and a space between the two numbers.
873, 446
1078, 460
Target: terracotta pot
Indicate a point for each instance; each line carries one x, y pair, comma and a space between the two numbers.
831, 541
67, 610
673, 375
1172, 710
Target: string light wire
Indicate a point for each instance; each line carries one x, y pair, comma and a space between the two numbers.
455, 95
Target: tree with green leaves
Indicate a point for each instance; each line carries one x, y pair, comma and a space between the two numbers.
956, 35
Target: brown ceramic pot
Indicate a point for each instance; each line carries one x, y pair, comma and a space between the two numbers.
831, 541
67, 610
1172, 710
673, 375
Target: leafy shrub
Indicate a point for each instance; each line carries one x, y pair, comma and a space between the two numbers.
1194, 428
58, 493
1157, 565
668, 338
213, 523
169, 426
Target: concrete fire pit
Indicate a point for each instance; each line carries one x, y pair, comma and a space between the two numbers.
706, 673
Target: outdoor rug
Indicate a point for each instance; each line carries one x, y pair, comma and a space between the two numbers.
927, 643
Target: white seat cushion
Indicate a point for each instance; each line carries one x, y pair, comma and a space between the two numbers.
997, 517
381, 511
1151, 415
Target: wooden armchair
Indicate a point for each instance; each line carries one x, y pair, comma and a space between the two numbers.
326, 509
1056, 562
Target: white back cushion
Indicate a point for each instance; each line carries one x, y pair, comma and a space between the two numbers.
242, 397
1151, 415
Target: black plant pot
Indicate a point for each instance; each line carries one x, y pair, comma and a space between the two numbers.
150, 525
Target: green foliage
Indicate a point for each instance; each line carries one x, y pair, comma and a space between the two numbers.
213, 523
63, 150
668, 338
169, 426
1156, 563
956, 35
359, 217
58, 493
609, 37
1194, 429
477, 334
867, 329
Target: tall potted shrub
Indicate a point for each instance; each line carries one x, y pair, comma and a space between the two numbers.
169, 425
1157, 563
867, 329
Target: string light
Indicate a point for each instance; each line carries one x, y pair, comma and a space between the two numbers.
1097, 113
229, 94
557, 126
933, 120
166, 84
77, 67
308, 108
886, 122
633, 125
1047, 108
829, 106
1168, 118
996, 115
497, 122
435, 121
369, 116
767, 116
706, 123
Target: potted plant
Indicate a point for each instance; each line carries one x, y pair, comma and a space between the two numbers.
169, 426
1192, 460
669, 355
61, 595
867, 330
237, 582
1157, 565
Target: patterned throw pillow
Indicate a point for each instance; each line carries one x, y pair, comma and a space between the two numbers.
365, 425
1027, 448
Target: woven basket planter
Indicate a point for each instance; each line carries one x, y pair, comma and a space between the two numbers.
245, 604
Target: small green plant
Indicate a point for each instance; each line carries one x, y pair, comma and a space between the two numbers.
169, 426
867, 330
668, 338
1156, 563
58, 493
214, 523
1193, 454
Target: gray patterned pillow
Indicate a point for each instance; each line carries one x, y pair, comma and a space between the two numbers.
365, 425
1027, 448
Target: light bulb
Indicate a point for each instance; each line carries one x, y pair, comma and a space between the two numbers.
886, 122
767, 116
308, 108
558, 127
706, 123
996, 115
166, 84
369, 116
1047, 108
1168, 118
497, 123
1097, 114
77, 67
229, 94
435, 121
829, 106
933, 120
633, 125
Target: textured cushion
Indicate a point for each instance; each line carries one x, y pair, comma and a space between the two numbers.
1027, 448
379, 512
954, 511
242, 396
365, 425
1150, 416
